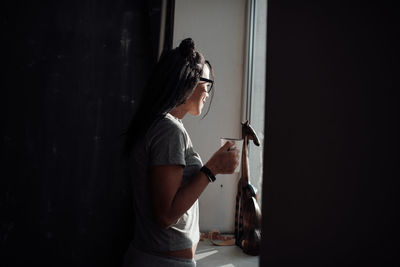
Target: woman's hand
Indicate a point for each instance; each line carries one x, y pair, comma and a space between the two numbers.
225, 160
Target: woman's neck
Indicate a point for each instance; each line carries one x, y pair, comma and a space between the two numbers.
178, 112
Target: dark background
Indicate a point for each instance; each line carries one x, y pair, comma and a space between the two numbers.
330, 192
72, 77
73, 72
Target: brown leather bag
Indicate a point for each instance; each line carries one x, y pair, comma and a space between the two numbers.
247, 212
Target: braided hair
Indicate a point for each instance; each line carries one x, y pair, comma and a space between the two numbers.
171, 83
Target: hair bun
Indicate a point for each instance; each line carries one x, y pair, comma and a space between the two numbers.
186, 48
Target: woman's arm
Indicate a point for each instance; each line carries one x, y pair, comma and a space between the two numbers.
170, 200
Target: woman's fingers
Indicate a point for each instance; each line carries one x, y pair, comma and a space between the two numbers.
227, 146
225, 160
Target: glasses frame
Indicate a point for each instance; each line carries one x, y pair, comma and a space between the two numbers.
209, 81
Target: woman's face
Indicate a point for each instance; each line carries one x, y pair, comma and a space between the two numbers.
196, 101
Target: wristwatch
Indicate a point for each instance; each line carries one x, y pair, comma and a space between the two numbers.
208, 173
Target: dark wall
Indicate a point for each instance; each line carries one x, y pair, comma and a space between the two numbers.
331, 184
72, 76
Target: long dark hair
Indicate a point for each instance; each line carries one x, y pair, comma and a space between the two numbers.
171, 83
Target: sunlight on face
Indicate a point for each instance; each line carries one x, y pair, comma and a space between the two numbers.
199, 96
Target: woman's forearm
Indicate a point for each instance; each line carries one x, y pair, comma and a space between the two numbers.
171, 200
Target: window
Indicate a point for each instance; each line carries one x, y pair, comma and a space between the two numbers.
255, 100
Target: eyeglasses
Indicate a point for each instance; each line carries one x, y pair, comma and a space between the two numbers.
210, 83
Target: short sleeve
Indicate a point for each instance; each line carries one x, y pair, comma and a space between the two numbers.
168, 146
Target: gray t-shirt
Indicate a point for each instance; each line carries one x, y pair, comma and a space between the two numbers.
166, 143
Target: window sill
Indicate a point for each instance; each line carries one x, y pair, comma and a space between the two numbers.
223, 256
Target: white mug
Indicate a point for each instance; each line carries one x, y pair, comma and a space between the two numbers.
238, 143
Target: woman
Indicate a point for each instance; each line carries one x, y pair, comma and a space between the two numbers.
168, 175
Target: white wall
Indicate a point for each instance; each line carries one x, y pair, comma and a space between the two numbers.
218, 29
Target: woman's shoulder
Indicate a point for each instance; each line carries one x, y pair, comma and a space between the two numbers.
167, 125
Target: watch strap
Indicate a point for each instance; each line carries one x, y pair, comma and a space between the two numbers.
208, 173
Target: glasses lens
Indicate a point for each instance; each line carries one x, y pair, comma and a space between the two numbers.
209, 87
209, 83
